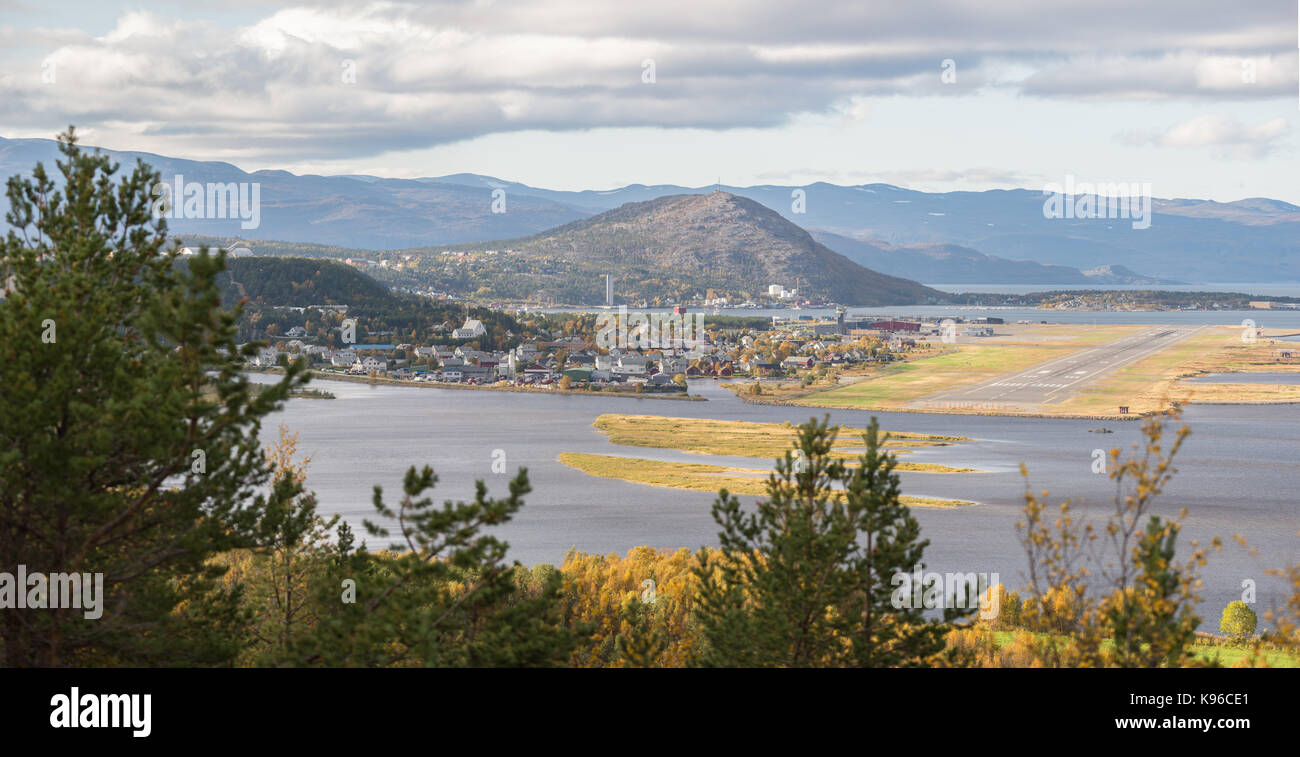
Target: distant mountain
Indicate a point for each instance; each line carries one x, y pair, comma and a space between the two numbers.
1118, 274
1253, 239
1188, 240
357, 212
721, 241
954, 264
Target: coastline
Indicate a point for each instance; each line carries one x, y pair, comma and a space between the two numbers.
489, 388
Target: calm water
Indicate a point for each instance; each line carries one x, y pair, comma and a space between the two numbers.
1271, 319
1291, 289
1239, 473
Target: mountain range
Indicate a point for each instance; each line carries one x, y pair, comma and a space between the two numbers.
953, 237
954, 264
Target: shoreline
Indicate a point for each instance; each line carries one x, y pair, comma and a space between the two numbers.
314, 374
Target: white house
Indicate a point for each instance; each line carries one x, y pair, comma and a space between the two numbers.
265, 358
674, 365
631, 365
472, 328
343, 358
370, 363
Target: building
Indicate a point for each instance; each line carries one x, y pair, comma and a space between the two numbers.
266, 357
368, 364
891, 325
630, 365
472, 328
609, 289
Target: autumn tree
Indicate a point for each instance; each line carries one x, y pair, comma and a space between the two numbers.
1115, 595
283, 580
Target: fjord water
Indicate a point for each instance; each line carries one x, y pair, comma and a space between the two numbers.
1268, 319
1238, 473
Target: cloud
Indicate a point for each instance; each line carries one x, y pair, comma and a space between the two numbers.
978, 176
1180, 75
1225, 136
432, 74
910, 178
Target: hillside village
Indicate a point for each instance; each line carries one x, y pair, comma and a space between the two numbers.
792, 348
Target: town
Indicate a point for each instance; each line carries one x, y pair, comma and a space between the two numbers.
801, 348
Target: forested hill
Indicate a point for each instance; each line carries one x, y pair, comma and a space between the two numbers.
271, 284
300, 282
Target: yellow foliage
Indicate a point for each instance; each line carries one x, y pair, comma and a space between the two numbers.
604, 590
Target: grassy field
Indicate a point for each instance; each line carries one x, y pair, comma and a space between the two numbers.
782, 390
697, 476
916, 379
763, 440
1227, 654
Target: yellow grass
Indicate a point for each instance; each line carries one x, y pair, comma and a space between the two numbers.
1014, 348
969, 364
1152, 384
697, 476
749, 439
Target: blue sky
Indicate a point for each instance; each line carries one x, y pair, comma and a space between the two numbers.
1199, 99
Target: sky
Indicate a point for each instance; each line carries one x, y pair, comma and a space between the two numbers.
1198, 99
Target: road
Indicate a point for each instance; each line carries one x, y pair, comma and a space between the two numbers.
1054, 380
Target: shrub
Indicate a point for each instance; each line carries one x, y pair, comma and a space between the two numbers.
1238, 619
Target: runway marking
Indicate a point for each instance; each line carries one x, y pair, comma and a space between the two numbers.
1117, 354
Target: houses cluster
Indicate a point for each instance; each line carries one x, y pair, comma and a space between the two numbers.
785, 350
526, 364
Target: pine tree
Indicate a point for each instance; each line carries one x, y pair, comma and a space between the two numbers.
806, 579
443, 594
128, 432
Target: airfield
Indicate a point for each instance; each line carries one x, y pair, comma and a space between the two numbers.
1076, 370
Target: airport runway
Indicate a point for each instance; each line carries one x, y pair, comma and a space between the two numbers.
1055, 380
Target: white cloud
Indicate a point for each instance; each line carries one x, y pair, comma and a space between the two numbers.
435, 74
1226, 136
